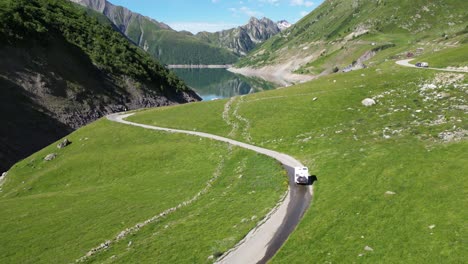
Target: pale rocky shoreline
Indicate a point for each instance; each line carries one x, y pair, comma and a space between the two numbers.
277, 74
198, 66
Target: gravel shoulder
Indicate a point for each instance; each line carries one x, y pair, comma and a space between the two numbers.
261, 243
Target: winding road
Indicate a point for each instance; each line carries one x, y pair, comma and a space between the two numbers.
406, 63
262, 242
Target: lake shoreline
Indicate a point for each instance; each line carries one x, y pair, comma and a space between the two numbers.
199, 66
275, 74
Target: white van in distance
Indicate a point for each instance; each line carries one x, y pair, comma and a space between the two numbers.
422, 64
301, 175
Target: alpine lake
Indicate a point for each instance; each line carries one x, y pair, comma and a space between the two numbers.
218, 83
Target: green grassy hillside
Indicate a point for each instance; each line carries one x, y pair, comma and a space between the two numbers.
104, 182
46, 20
390, 176
390, 187
172, 47
450, 57
338, 33
159, 40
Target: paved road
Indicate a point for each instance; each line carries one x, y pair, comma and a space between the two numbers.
406, 63
264, 241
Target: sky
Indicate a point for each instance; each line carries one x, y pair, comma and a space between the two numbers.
216, 15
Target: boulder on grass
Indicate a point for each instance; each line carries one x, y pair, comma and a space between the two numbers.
50, 157
368, 102
64, 143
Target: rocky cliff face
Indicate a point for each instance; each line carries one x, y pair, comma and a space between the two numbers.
260, 30
118, 15
243, 39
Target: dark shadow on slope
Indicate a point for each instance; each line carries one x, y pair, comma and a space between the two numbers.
25, 126
312, 179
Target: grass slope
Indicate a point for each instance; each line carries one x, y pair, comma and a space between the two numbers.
450, 57
113, 176
402, 144
244, 194
344, 30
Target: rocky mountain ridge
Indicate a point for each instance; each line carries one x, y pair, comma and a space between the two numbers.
119, 15
245, 38
157, 38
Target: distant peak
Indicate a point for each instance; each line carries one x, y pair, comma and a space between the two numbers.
263, 20
253, 19
283, 24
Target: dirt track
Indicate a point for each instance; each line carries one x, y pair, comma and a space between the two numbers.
406, 63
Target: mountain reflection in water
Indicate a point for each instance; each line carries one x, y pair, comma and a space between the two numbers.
220, 83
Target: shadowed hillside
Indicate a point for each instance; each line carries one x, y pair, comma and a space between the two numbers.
61, 69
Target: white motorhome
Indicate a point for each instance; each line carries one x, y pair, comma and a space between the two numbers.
422, 64
301, 175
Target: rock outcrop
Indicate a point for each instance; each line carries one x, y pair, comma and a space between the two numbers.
50, 157
63, 144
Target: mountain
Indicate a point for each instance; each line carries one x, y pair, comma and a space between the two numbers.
341, 32
243, 39
283, 24
158, 39
61, 69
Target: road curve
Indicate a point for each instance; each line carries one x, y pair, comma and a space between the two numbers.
406, 63
262, 242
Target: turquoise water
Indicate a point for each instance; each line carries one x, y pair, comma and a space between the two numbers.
213, 84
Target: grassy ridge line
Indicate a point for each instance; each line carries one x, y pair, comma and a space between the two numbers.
102, 184
360, 154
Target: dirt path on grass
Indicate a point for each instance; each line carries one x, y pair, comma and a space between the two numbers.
262, 242
406, 63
